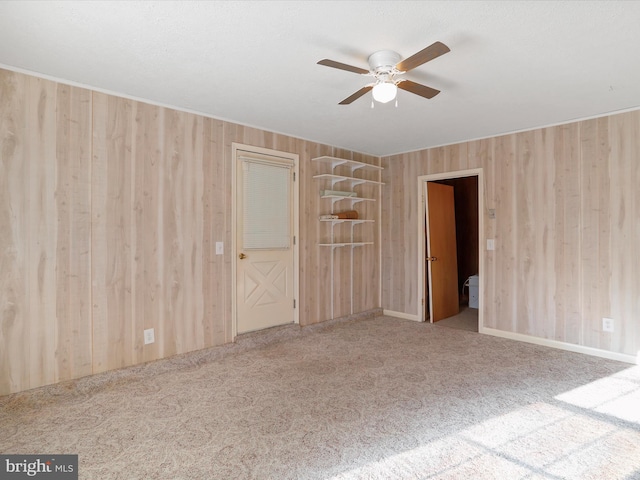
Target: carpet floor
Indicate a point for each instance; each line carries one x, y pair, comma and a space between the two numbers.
378, 398
467, 319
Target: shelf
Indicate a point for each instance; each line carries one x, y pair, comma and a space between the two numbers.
341, 178
349, 220
337, 198
354, 165
349, 244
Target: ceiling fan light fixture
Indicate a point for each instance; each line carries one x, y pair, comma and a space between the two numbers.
384, 92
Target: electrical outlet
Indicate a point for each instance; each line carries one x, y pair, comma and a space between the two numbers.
219, 248
607, 324
149, 336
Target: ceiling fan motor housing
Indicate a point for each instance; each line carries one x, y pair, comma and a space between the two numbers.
383, 61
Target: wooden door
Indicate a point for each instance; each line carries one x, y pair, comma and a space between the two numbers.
442, 261
264, 243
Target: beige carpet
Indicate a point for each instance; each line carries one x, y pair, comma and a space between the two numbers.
467, 319
379, 398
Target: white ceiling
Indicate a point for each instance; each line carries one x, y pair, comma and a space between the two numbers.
513, 65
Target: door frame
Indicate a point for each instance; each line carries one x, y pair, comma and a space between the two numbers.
236, 149
422, 247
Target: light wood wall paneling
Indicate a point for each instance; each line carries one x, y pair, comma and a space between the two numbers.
155, 169
491, 169
42, 228
175, 238
315, 290
112, 184
624, 169
217, 225
308, 256
148, 220
594, 234
73, 257
401, 231
44, 297
366, 291
522, 249
309, 229
183, 231
393, 241
341, 278
210, 232
548, 200
98, 232
506, 239
14, 288
409, 231
566, 324
386, 237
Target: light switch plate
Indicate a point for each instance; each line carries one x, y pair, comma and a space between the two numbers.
219, 248
491, 244
149, 336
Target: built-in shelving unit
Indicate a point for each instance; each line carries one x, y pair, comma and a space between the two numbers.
335, 179
352, 181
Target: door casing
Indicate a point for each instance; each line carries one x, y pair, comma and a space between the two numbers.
236, 150
422, 250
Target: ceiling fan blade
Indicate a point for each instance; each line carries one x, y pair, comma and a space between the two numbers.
423, 56
342, 66
422, 90
356, 95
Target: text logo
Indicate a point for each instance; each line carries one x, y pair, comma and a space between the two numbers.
50, 467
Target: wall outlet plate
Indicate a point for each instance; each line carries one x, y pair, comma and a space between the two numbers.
149, 336
607, 324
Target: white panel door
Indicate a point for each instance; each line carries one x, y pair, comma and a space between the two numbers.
264, 243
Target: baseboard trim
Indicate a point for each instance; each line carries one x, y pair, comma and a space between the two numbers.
406, 316
595, 352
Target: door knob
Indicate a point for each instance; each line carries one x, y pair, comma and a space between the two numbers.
242, 256
432, 259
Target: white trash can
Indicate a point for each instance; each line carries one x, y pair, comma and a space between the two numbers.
473, 291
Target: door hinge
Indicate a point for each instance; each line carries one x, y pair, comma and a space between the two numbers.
423, 302
294, 303
294, 176
294, 239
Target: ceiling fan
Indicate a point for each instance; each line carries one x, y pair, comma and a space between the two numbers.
386, 68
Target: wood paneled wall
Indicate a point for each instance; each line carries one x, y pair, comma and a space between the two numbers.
109, 213
567, 229
45, 222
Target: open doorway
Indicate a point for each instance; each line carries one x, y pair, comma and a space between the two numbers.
467, 186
